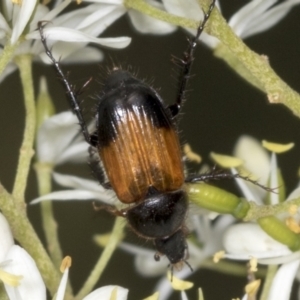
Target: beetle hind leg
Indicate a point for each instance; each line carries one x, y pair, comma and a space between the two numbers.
111, 209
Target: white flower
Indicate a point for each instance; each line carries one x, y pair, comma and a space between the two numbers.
183, 296
31, 285
6, 238
22, 279
146, 24
59, 140
103, 293
106, 293
254, 17
144, 260
243, 241
258, 16
75, 26
257, 163
283, 280
189, 9
142, 23
256, 159
18, 24
81, 189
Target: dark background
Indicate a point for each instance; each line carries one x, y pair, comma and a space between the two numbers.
220, 108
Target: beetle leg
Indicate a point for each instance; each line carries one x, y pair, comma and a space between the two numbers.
111, 209
97, 168
71, 93
186, 63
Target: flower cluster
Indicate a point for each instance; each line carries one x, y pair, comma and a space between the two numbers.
81, 26
241, 241
22, 279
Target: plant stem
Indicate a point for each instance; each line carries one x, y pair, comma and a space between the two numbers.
228, 268
7, 55
3, 294
258, 65
43, 173
272, 269
115, 237
259, 211
26, 151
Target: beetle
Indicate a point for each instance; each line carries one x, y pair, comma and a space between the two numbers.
137, 142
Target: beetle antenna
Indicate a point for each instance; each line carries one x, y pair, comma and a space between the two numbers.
220, 175
186, 262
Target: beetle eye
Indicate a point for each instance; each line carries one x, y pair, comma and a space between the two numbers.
156, 257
